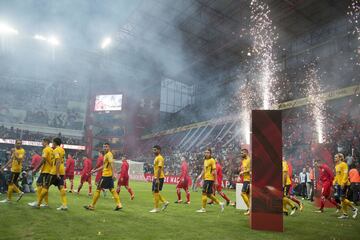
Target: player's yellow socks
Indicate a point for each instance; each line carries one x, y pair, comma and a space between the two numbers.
288, 202
161, 198
116, 196
16, 189
44, 191
156, 200
246, 199
203, 200
38, 192
348, 203
96, 197
63, 197
10, 190
212, 197
46, 198
284, 205
344, 206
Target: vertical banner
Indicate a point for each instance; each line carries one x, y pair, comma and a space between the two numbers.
266, 166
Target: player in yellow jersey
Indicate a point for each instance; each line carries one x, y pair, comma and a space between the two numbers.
341, 182
286, 186
16, 160
107, 179
245, 172
158, 180
45, 168
210, 179
56, 175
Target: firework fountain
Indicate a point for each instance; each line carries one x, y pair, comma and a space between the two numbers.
264, 39
262, 66
246, 102
354, 19
316, 102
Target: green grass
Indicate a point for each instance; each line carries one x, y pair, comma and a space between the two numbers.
18, 221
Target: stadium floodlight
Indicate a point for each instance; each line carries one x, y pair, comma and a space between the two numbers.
53, 41
40, 37
6, 29
106, 42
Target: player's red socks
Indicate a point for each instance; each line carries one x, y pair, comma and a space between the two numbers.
187, 196
294, 199
224, 196
333, 201
322, 203
90, 189
79, 187
130, 191
72, 185
178, 193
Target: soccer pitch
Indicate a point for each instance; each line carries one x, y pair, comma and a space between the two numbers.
179, 221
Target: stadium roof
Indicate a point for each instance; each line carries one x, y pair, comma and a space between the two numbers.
186, 40
210, 29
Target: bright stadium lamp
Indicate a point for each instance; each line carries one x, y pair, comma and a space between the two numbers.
6, 29
40, 37
106, 42
53, 41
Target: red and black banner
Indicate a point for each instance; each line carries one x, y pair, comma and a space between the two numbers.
266, 164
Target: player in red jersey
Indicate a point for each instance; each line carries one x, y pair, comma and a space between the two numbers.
218, 188
69, 172
86, 175
99, 163
35, 160
326, 178
124, 178
184, 182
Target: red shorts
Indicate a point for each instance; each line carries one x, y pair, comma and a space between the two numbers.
326, 189
184, 184
98, 176
85, 178
218, 187
69, 176
123, 181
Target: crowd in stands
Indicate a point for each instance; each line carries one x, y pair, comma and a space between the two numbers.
222, 98
341, 131
191, 145
341, 134
107, 132
35, 103
72, 119
15, 133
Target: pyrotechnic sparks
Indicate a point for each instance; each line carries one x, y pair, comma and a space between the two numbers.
354, 19
246, 103
264, 39
316, 103
245, 129
261, 68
